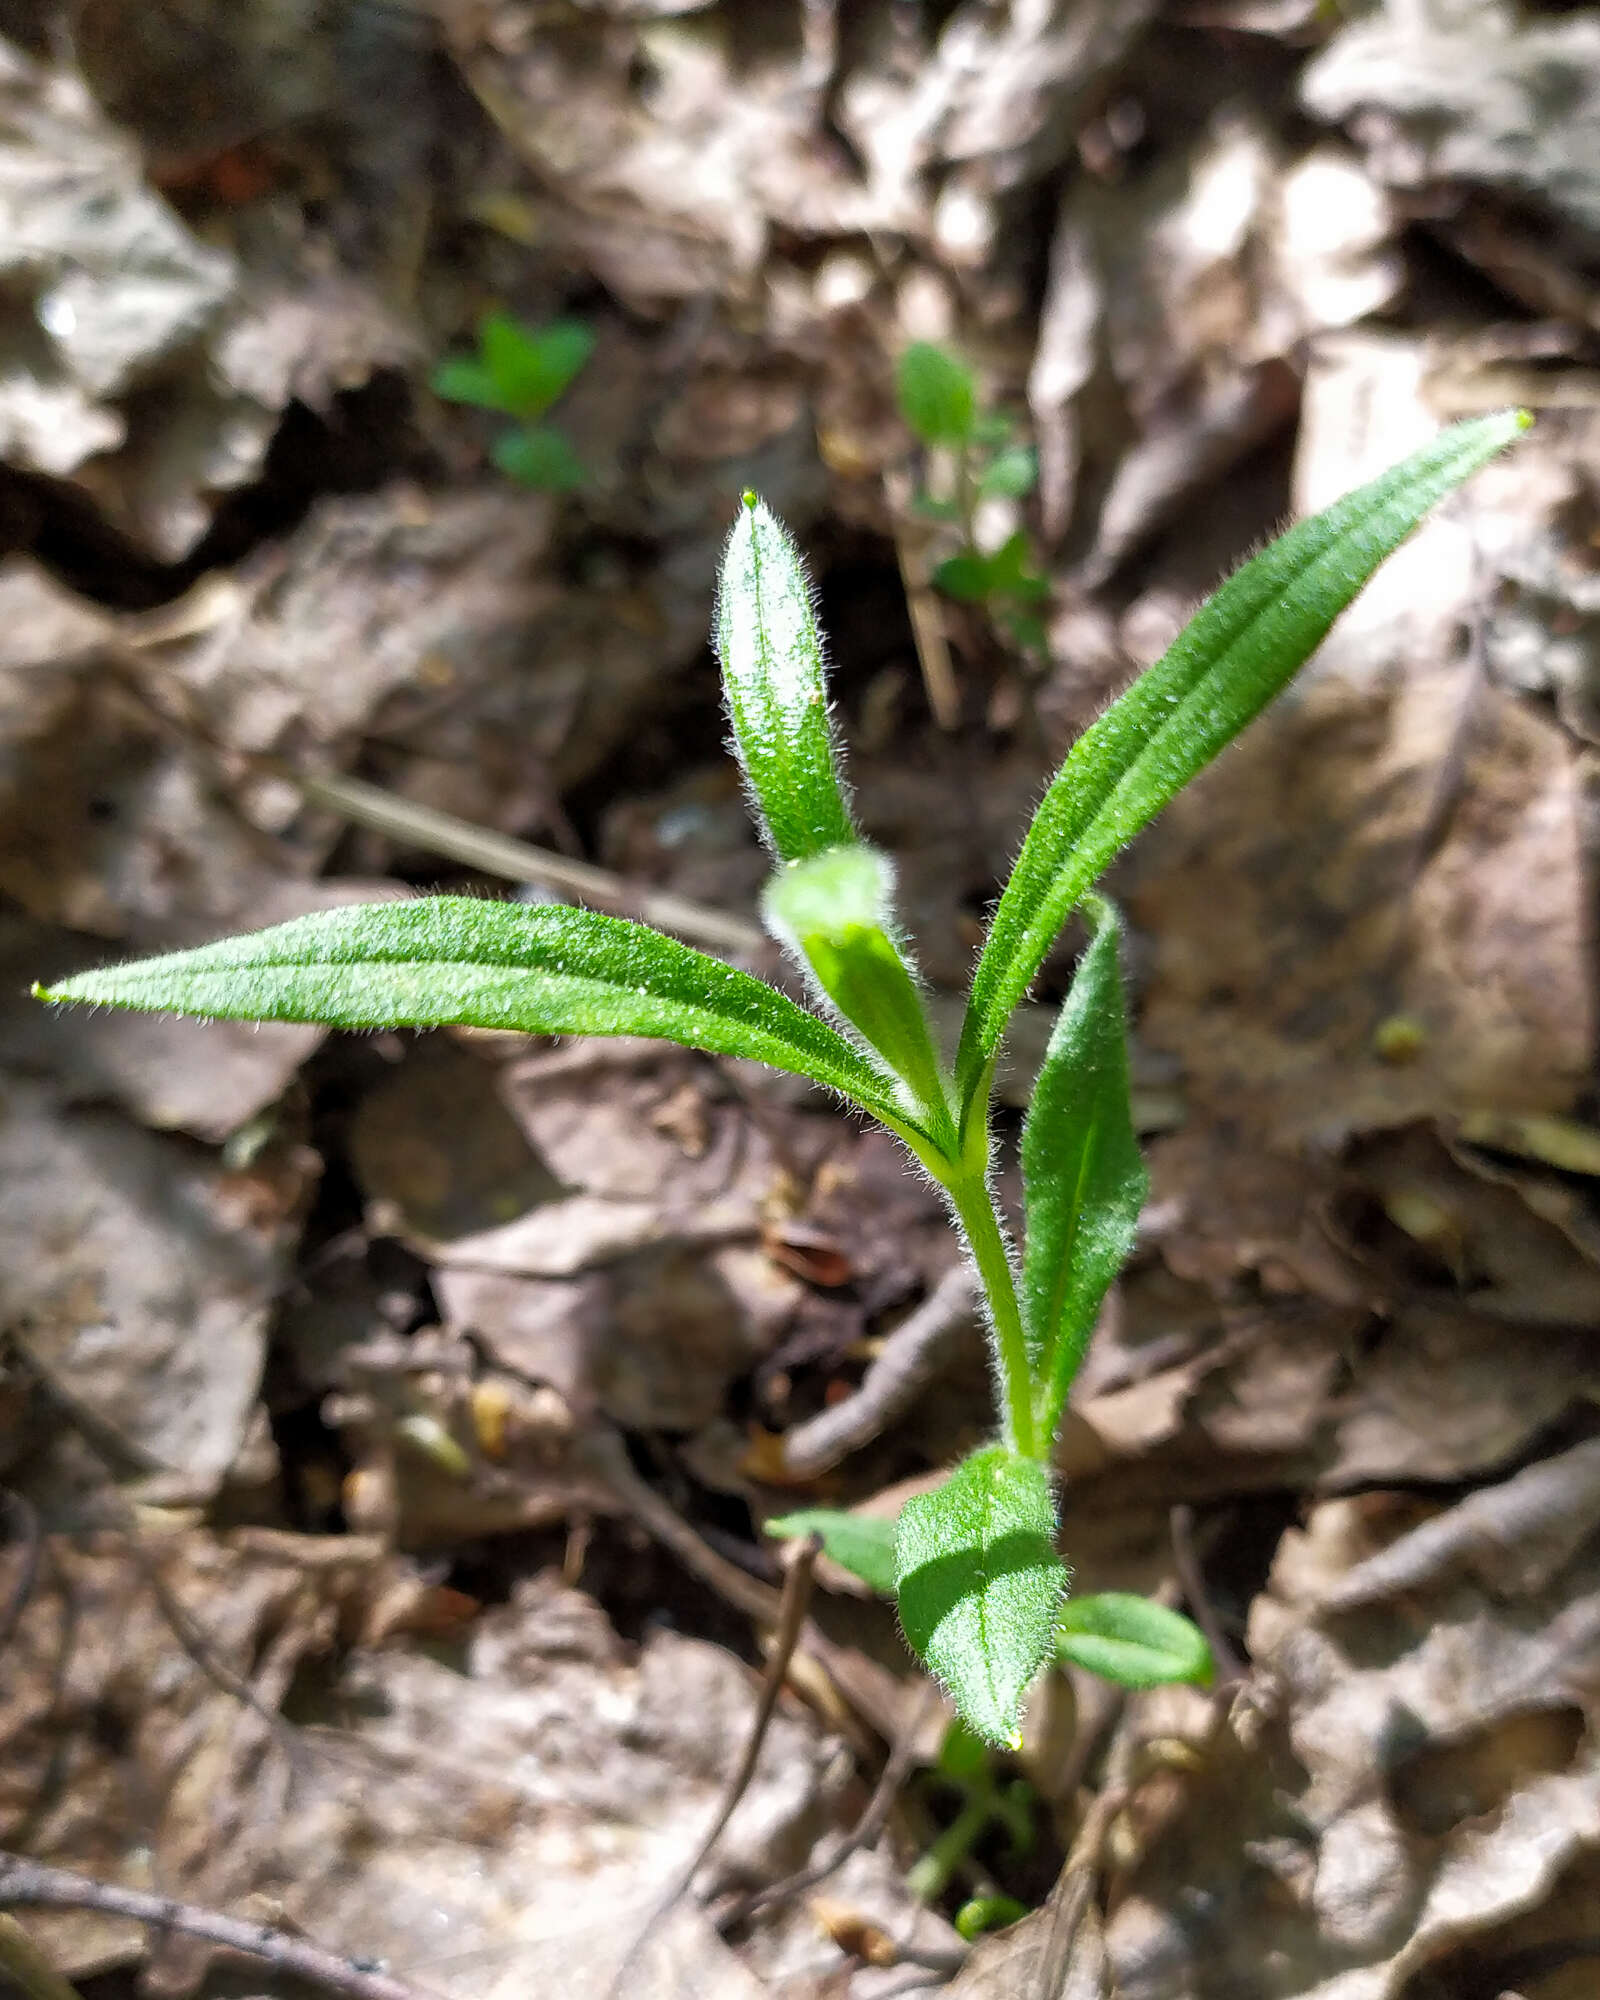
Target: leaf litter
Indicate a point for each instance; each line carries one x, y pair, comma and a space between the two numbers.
441, 1387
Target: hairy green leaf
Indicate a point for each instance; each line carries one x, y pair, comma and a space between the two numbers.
1129, 1640
772, 676
1235, 654
540, 456
938, 397
835, 911
860, 1543
444, 960
980, 1585
1083, 1179
531, 366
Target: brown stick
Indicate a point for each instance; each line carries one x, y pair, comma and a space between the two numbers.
802, 1563
415, 825
909, 1359
1192, 1578
32, 1883
922, 607
24, 1524
865, 1831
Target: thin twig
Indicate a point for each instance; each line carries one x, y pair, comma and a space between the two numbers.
923, 609
600, 1451
1450, 780
108, 1447
513, 860
1192, 1576
1100, 1709
426, 827
31, 1883
1069, 1899
908, 1360
1450, 784
864, 1833
801, 1569
24, 1524
202, 1648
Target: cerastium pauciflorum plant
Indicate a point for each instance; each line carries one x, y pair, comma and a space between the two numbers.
520, 371
938, 395
980, 1586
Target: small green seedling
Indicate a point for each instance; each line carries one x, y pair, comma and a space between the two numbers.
520, 371
966, 1765
939, 401
976, 1573
1111, 1633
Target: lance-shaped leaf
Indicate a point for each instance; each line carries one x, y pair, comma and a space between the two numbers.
1129, 1640
772, 676
1083, 1180
834, 913
1236, 653
861, 1543
452, 960
980, 1584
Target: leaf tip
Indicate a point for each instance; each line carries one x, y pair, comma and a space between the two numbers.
750, 499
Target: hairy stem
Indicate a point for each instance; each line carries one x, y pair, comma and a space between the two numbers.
975, 1211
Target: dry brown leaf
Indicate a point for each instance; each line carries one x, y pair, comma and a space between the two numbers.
1513, 1538
1193, 285
1471, 93
123, 1754
139, 1273
1283, 887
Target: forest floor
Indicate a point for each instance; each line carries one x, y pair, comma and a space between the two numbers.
388, 1424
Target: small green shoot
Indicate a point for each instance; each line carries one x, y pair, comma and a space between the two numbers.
973, 1565
966, 1766
1120, 1637
980, 1914
939, 401
520, 371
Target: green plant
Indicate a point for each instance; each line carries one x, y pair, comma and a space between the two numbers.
976, 1574
1111, 1633
520, 371
966, 1766
939, 401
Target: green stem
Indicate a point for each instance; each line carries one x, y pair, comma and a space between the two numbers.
966, 497
929, 1877
975, 1210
